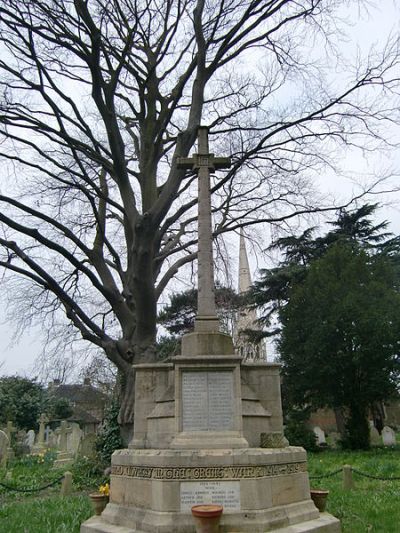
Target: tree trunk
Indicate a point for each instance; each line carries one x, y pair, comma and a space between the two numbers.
357, 428
340, 420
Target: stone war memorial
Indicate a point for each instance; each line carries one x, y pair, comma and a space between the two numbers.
208, 428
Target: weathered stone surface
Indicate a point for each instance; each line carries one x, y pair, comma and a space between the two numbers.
30, 439
320, 434
205, 343
207, 401
374, 436
4, 445
87, 447
388, 436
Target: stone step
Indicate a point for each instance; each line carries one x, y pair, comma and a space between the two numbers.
326, 523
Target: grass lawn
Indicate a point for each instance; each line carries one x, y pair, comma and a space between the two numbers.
373, 506
45, 511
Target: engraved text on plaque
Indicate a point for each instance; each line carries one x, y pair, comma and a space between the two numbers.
207, 401
225, 493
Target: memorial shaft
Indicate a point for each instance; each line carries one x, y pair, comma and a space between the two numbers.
206, 293
204, 162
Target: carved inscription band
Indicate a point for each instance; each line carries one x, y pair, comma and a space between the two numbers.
209, 472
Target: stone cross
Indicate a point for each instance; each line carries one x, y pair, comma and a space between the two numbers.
9, 430
47, 432
42, 423
63, 431
203, 162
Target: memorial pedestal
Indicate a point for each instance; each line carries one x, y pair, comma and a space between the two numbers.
260, 490
210, 415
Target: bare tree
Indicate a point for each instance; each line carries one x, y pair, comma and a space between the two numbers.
100, 98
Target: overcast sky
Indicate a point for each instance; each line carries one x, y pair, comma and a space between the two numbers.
19, 358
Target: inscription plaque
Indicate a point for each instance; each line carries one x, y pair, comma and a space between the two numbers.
226, 493
207, 401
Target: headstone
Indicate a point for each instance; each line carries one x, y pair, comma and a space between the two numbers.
333, 439
47, 432
87, 446
51, 439
374, 437
320, 434
63, 431
4, 447
388, 436
64, 457
74, 438
30, 439
9, 430
40, 444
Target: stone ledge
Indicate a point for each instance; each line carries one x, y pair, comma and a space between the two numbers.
96, 525
325, 523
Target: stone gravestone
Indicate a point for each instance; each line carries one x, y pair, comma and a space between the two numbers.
74, 438
64, 457
9, 430
320, 434
198, 422
388, 436
333, 439
4, 446
87, 446
40, 445
30, 439
51, 440
21, 447
47, 433
375, 438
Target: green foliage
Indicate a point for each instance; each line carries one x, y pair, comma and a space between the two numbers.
341, 335
109, 438
168, 346
59, 408
87, 473
45, 515
336, 297
47, 458
31, 472
21, 401
372, 505
356, 436
178, 317
273, 291
298, 433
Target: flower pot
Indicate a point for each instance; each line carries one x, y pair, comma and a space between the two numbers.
99, 501
207, 518
319, 497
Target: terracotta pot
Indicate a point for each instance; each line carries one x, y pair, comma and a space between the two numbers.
319, 497
207, 518
99, 502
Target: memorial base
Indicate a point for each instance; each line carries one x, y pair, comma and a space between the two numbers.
63, 459
260, 489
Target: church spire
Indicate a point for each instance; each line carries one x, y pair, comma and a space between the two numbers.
244, 269
247, 319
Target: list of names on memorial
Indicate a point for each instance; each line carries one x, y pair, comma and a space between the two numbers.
207, 401
225, 493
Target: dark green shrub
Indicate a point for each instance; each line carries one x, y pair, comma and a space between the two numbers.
298, 433
109, 438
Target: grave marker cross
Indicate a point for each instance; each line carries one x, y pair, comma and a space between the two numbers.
203, 162
9, 430
63, 430
42, 423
